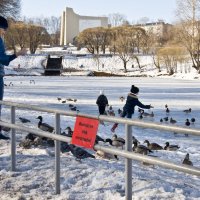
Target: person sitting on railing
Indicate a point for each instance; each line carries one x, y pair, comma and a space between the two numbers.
129, 107
5, 59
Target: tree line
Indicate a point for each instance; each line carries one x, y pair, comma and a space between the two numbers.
179, 45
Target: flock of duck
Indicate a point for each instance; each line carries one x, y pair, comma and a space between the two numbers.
79, 153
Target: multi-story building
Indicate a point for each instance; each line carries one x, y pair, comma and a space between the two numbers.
72, 24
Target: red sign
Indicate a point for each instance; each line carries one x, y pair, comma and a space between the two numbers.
85, 131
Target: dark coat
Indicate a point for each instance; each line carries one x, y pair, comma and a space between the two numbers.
131, 102
102, 100
4, 58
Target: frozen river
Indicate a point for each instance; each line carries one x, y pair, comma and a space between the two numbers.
101, 179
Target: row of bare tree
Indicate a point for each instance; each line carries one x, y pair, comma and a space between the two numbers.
180, 45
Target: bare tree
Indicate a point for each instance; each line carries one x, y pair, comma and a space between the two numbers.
10, 8
116, 19
188, 28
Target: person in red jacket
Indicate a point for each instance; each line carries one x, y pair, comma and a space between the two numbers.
129, 107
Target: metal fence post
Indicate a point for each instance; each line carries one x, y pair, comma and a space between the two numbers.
13, 141
57, 153
128, 163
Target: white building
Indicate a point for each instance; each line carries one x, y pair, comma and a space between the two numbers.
72, 24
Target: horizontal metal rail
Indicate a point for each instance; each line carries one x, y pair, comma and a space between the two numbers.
122, 153
138, 123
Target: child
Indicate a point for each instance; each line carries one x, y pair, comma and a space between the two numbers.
131, 102
102, 102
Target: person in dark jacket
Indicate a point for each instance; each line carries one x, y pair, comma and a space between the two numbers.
129, 107
102, 102
4, 58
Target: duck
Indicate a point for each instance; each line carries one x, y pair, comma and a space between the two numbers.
3, 137
24, 120
59, 99
167, 110
6, 129
134, 139
69, 132
71, 106
193, 120
147, 114
79, 152
161, 120
153, 146
171, 147
187, 160
141, 149
121, 98
116, 142
172, 121
187, 122
140, 110
74, 108
119, 140
166, 119
69, 99
30, 136
188, 111
105, 155
44, 126
140, 116
64, 147
119, 111
75, 100
99, 139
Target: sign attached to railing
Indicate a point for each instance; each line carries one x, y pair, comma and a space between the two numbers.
85, 131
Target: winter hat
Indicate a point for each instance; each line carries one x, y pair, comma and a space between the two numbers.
3, 23
134, 89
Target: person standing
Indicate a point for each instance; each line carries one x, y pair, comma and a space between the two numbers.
102, 102
129, 107
5, 59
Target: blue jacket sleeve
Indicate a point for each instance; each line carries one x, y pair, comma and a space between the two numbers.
5, 59
142, 105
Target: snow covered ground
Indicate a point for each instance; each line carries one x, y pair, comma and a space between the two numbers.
100, 179
83, 65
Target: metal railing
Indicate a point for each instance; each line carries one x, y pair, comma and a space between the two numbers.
127, 153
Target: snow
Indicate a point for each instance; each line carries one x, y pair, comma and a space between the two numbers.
99, 179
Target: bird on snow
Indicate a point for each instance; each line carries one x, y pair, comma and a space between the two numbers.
115, 141
187, 122
193, 120
188, 110
121, 98
171, 147
44, 126
172, 121
99, 139
166, 119
187, 160
79, 153
105, 155
3, 137
24, 120
153, 146
141, 149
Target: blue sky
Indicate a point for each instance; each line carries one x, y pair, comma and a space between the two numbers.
132, 9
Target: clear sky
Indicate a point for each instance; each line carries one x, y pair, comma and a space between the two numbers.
132, 9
